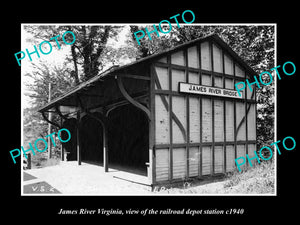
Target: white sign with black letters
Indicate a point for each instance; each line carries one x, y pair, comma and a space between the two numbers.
206, 90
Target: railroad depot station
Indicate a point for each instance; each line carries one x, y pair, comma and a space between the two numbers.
154, 117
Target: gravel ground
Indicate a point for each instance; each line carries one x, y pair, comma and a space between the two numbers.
87, 179
70, 179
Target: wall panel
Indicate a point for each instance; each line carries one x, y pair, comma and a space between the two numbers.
205, 56
194, 78
241, 152
179, 109
219, 159
194, 119
251, 123
206, 79
193, 57
219, 120
239, 72
177, 76
162, 164
240, 113
230, 163
206, 160
229, 111
206, 119
179, 163
163, 77
217, 59
228, 63
251, 154
162, 131
177, 58
193, 161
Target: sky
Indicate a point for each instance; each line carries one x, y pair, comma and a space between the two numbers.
55, 57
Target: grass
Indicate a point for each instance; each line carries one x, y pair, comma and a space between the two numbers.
254, 180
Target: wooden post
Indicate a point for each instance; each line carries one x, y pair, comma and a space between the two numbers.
49, 124
28, 161
62, 150
105, 149
78, 139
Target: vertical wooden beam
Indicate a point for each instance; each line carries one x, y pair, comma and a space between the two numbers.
49, 124
213, 109
246, 118
62, 150
29, 161
152, 159
234, 114
170, 118
200, 105
78, 138
105, 148
187, 116
224, 113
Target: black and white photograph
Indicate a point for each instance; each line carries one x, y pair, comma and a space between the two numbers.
145, 109
150, 111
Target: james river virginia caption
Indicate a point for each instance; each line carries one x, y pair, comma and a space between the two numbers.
147, 211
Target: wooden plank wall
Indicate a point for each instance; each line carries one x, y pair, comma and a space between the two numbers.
198, 135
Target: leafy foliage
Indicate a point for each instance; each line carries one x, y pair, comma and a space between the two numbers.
87, 49
34, 126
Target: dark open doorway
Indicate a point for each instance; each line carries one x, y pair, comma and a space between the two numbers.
128, 139
91, 140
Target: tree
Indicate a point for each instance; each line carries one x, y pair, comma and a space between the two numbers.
34, 126
87, 49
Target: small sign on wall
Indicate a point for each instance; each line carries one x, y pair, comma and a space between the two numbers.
206, 90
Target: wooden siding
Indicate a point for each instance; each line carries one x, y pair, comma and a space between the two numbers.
194, 161
179, 163
230, 157
241, 152
162, 165
193, 57
217, 59
251, 123
239, 72
240, 113
229, 115
219, 120
206, 160
198, 135
177, 58
251, 154
179, 110
194, 78
205, 56
162, 126
162, 74
206, 120
194, 119
228, 65
219, 159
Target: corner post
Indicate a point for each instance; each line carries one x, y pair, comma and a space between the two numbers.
105, 148
78, 138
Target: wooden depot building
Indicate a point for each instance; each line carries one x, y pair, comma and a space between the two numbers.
172, 116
